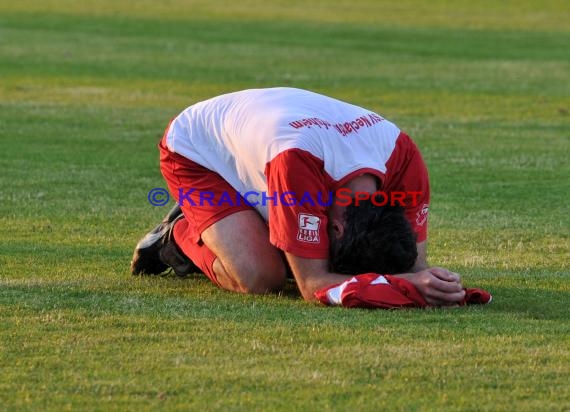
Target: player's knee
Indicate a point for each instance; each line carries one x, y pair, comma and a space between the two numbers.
263, 278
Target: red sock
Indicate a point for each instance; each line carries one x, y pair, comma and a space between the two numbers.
197, 252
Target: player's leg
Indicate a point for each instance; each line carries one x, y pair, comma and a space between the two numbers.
246, 261
228, 241
234, 253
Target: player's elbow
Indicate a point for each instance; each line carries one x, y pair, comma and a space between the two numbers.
307, 290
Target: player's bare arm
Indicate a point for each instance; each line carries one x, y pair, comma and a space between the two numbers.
421, 260
438, 286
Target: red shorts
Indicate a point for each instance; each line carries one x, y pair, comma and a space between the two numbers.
193, 181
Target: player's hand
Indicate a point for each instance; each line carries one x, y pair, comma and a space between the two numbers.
438, 286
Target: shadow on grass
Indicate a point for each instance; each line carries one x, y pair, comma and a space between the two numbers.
532, 303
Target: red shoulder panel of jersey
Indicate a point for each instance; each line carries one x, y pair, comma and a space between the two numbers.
298, 221
407, 172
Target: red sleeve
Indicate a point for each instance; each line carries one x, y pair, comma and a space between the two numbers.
406, 172
298, 220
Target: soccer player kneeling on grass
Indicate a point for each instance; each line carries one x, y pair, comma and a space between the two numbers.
277, 181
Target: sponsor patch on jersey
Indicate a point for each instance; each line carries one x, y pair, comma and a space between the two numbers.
422, 215
308, 228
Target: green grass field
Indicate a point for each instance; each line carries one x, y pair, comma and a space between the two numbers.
85, 93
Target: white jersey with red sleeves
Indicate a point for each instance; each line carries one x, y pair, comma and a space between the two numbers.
238, 134
286, 139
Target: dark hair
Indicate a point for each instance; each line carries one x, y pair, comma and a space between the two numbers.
376, 239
